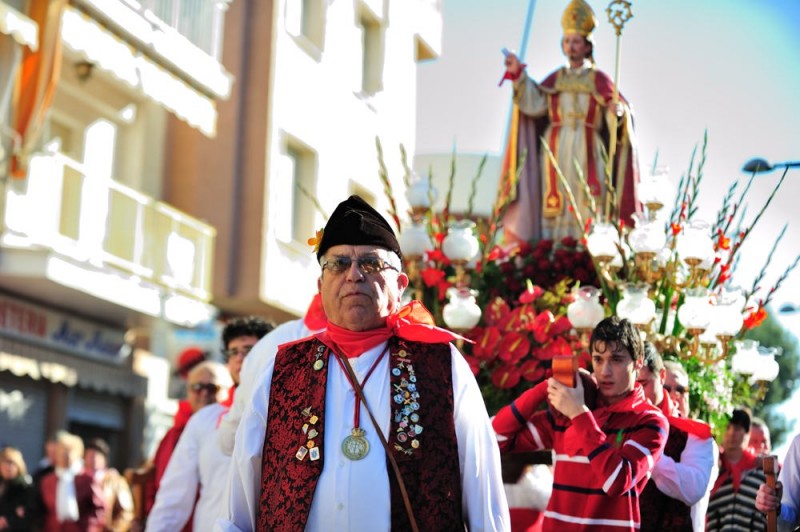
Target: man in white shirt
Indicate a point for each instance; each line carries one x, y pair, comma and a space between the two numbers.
252, 370
311, 455
197, 463
683, 477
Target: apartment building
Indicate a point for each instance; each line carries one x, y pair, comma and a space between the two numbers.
317, 82
164, 171
102, 279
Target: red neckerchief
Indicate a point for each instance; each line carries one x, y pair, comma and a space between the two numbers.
690, 426
734, 472
315, 318
412, 322
226, 404
183, 414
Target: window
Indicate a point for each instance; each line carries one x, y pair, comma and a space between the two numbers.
370, 80
305, 20
298, 217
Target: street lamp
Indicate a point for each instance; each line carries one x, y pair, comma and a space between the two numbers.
758, 165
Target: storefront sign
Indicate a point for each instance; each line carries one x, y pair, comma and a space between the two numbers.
49, 328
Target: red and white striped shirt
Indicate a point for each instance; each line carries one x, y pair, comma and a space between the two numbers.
602, 458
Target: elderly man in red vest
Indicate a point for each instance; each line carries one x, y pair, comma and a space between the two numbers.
376, 423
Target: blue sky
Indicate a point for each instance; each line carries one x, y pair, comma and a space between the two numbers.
729, 66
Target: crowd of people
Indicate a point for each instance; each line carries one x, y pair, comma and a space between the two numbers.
73, 489
363, 415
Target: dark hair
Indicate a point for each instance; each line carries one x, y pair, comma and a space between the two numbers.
652, 358
621, 332
245, 326
741, 418
99, 445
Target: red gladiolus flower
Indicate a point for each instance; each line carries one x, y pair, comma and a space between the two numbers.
754, 319
531, 294
436, 255
439, 237
513, 346
432, 276
485, 347
506, 376
676, 228
496, 311
532, 371
495, 254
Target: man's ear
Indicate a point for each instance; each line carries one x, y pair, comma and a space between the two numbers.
637, 364
662, 375
402, 281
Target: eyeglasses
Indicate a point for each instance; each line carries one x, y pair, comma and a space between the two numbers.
244, 350
366, 265
198, 387
678, 388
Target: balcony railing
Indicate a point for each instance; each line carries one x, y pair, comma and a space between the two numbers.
107, 224
200, 21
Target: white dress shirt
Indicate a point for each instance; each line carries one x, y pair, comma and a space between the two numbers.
355, 495
252, 369
196, 462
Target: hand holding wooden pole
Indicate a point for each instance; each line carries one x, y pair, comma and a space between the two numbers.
769, 467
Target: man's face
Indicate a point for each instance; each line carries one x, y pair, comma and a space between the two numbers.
356, 300
652, 384
235, 352
735, 438
202, 390
759, 441
614, 370
575, 47
677, 386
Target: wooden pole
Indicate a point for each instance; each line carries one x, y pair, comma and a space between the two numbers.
768, 465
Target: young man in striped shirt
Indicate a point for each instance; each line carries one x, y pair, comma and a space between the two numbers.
603, 453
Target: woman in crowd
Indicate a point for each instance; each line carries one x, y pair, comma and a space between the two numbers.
15, 491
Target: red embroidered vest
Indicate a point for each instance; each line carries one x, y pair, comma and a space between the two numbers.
421, 396
661, 513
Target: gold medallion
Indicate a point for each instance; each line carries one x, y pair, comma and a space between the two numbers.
355, 446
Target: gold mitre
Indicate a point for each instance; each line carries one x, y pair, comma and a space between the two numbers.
578, 18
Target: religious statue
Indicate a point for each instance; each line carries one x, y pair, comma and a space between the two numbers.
574, 111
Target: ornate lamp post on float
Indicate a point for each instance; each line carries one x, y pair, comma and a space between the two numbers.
415, 239
461, 247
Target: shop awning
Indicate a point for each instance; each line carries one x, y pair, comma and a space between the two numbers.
26, 360
18, 26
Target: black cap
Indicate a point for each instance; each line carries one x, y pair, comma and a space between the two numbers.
356, 223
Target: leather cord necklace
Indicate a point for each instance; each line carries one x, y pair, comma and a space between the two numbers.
360, 394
